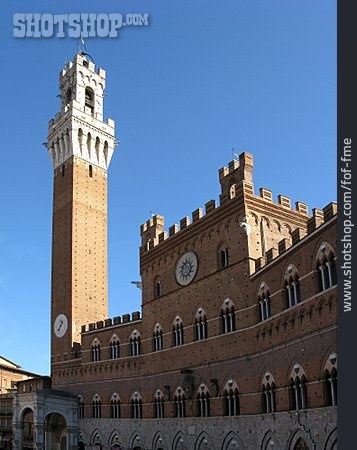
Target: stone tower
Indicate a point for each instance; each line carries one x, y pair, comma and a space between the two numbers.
80, 145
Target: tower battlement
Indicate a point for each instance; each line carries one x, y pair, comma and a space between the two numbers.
81, 60
151, 230
237, 186
79, 128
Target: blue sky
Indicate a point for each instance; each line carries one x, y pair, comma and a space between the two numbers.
203, 77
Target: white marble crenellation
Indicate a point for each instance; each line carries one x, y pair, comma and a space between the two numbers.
78, 129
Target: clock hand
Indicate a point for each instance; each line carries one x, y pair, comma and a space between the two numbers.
60, 326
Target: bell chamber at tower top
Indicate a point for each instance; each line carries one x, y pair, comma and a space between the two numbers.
78, 129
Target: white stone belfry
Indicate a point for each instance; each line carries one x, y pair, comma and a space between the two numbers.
78, 130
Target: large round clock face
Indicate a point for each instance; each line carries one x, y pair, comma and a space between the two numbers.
60, 325
186, 268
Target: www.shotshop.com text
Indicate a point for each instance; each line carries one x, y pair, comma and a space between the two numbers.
346, 239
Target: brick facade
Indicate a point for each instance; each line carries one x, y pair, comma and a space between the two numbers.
249, 332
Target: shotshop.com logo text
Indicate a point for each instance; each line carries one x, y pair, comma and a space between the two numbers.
30, 25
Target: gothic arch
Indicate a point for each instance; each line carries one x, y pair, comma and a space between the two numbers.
267, 441
277, 224
330, 362
230, 384
81, 439
300, 436
263, 289
204, 442
253, 217
227, 303
200, 313
180, 442
115, 439
135, 334
135, 440
295, 370
323, 250
232, 442
96, 438
158, 441
290, 272
331, 442
177, 320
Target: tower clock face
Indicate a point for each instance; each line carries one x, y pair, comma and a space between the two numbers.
186, 268
60, 325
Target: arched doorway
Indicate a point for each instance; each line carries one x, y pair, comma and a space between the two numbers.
27, 426
81, 445
56, 436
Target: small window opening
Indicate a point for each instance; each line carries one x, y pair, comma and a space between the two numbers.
89, 99
90, 170
68, 95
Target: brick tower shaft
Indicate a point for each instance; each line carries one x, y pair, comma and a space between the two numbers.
80, 145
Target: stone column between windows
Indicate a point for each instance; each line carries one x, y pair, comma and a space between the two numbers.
328, 264
295, 293
322, 269
333, 393
231, 321
296, 397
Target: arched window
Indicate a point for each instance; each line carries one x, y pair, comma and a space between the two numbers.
95, 351
135, 343
27, 424
105, 152
223, 257
203, 402
177, 332
115, 407
326, 267
89, 150
268, 394
231, 404
298, 392
96, 407
292, 287
201, 325
158, 343
80, 407
264, 302
89, 99
326, 273
114, 348
330, 380
179, 403
228, 320
97, 148
269, 398
80, 140
157, 288
136, 406
159, 411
